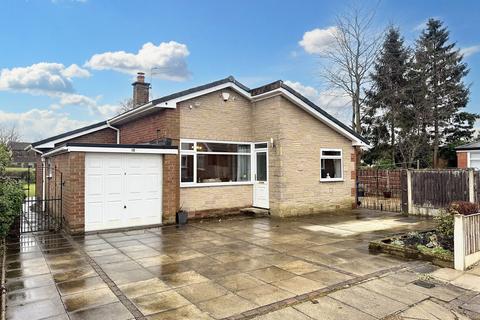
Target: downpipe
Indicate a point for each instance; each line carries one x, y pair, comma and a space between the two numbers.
116, 129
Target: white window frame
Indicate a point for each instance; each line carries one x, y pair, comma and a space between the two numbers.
331, 157
194, 153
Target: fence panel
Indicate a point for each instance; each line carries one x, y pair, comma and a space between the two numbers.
466, 240
438, 188
380, 189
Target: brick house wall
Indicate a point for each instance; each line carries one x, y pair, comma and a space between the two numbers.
102, 136
72, 166
162, 124
299, 168
462, 159
209, 117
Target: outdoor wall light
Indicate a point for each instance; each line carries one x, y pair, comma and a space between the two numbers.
225, 96
272, 142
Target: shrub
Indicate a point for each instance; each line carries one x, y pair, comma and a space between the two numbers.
11, 199
463, 208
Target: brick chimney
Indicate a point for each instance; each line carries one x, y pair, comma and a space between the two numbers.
140, 90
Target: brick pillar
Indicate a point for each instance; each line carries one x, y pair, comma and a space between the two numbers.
171, 188
462, 159
74, 193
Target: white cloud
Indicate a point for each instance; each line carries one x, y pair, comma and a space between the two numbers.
37, 124
318, 41
168, 59
47, 78
470, 51
334, 102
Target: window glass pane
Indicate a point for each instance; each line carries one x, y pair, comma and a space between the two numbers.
187, 146
222, 168
331, 153
187, 168
260, 145
222, 147
474, 155
331, 168
261, 166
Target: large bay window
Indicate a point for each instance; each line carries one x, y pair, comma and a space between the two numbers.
205, 163
331, 165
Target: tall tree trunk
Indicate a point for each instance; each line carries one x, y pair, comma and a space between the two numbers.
358, 128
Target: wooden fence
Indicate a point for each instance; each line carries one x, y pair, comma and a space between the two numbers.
438, 188
416, 191
466, 240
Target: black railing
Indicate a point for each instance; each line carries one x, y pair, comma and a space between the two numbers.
42, 210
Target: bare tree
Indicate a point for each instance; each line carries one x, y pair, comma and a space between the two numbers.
8, 134
125, 105
351, 56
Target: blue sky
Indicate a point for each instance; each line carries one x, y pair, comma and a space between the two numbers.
68, 63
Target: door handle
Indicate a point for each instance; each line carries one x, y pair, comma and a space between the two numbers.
124, 207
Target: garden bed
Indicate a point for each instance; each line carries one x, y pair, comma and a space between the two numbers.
415, 245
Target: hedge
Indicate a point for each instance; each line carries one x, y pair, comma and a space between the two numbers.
11, 199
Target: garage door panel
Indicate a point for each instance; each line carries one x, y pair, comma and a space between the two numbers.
122, 190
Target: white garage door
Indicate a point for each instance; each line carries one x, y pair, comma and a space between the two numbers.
475, 159
122, 190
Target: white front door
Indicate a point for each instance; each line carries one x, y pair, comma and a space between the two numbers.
260, 186
122, 190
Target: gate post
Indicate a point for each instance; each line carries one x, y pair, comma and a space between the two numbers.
409, 192
471, 186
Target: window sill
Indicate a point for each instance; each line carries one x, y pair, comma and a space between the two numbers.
332, 180
215, 184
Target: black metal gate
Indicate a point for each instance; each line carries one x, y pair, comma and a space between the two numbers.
380, 189
42, 210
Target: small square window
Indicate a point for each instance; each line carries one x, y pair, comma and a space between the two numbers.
186, 146
331, 165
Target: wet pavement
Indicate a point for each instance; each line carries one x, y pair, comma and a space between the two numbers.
239, 268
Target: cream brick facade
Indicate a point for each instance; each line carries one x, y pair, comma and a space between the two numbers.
212, 198
208, 117
294, 162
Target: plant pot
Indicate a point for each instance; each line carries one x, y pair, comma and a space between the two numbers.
387, 194
182, 217
361, 193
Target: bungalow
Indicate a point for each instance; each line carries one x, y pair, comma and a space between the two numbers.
210, 150
468, 155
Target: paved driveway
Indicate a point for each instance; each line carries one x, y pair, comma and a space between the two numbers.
217, 269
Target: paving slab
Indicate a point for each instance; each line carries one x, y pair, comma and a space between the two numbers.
265, 294
370, 302
203, 291
183, 313
327, 308
226, 306
467, 281
284, 314
394, 292
159, 302
144, 287
112, 311
430, 310
446, 274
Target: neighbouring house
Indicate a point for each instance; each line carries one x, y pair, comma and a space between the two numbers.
468, 155
210, 150
21, 157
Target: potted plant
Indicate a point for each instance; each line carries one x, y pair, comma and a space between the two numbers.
182, 216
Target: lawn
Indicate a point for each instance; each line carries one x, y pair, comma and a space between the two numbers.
29, 189
16, 169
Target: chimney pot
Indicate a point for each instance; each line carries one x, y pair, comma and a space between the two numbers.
140, 77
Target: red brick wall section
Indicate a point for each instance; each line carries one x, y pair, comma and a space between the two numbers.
101, 136
72, 166
171, 188
143, 130
462, 160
